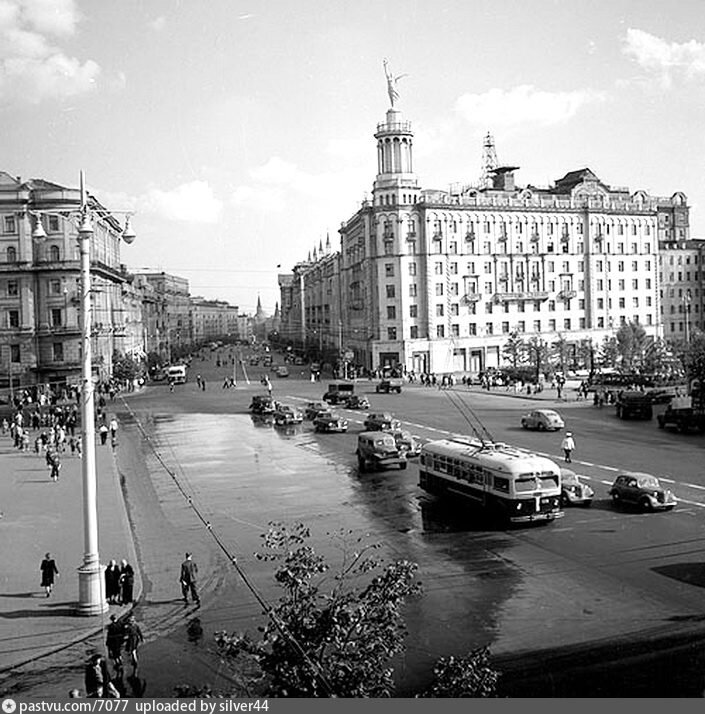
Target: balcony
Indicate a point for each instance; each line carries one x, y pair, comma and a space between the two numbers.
517, 297
469, 298
469, 237
567, 294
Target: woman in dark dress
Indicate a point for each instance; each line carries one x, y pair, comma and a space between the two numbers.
49, 571
127, 582
112, 582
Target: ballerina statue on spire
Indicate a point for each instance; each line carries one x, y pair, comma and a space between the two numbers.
392, 84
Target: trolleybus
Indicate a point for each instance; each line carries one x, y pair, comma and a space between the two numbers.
512, 484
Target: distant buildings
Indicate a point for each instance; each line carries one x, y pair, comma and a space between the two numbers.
40, 293
436, 281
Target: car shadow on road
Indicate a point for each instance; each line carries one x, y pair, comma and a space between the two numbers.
689, 573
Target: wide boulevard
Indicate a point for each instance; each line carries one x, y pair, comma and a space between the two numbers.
611, 599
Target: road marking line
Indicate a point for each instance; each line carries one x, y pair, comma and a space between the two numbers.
694, 485
690, 503
586, 463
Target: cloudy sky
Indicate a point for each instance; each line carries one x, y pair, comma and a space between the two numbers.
241, 131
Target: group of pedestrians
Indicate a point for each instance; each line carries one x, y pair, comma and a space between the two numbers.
121, 635
119, 583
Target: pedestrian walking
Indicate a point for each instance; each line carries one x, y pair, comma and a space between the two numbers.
54, 462
79, 444
127, 582
189, 580
115, 637
49, 572
133, 639
103, 433
113, 428
97, 679
112, 582
568, 445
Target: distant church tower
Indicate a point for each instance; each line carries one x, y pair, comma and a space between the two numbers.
396, 184
260, 314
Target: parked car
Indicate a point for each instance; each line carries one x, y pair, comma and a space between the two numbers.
357, 401
282, 371
327, 422
543, 420
641, 490
406, 443
262, 405
378, 450
262, 420
389, 385
313, 409
573, 491
381, 421
286, 414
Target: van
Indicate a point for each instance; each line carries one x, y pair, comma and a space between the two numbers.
176, 374
378, 450
339, 392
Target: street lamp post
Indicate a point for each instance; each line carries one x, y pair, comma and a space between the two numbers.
91, 595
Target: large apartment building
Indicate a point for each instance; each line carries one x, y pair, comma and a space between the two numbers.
40, 291
436, 281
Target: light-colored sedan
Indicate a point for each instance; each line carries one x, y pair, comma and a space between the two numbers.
543, 420
573, 491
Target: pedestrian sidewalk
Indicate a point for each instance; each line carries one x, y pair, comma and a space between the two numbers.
547, 396
38, 515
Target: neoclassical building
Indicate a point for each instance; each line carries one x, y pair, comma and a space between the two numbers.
437, 280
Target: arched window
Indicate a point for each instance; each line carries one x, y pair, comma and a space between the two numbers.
11, 254
54, 255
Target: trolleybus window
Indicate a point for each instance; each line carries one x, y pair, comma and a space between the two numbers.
501, 484
526, 482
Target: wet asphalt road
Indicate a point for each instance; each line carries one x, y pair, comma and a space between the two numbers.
627, 585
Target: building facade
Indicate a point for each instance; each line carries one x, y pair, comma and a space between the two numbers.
40, 290
213, 319
436, 281
682, 288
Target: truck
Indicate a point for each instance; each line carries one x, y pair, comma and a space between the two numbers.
389, 384
685, 413
633, 404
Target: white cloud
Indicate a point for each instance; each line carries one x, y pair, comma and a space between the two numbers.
31, 67
665, 59
192, 202
523, 104
158, 23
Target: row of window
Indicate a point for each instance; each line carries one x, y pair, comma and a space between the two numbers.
53, 254
520, 326
454, 308
504, 227
503, 267
57, 353
9, 224
502, 248
56, 317
551, 286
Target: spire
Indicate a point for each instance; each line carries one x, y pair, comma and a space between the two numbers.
315, 254
320, 247
327, 243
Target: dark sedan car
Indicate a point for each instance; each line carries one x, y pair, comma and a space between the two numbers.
641, 490
262, 405
330, 423
381, 421
356, 401
313, 409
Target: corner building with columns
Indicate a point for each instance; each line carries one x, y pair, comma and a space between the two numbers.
436, 281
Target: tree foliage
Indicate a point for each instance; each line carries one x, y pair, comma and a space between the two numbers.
694, 357
335, 631
126, 367
514, 350
469, 676
330, 636
631, 343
